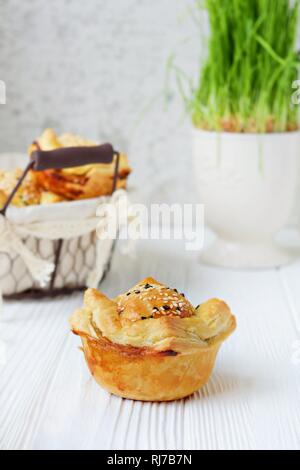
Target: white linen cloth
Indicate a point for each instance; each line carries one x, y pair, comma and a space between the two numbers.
66, 220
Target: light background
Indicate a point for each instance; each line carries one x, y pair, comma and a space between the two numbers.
98, 68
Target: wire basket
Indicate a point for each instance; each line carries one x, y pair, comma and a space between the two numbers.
73, 259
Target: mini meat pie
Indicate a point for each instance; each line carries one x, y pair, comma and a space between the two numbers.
52, 186
81, 182
150, 343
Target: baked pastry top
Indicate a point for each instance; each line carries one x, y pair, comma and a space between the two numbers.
151, 315
51, 186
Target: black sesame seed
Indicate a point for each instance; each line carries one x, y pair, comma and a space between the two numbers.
144, 318
147, 286
128, 293
175, 290
166, 307
182, 294
155, 308
198, 306
137, 291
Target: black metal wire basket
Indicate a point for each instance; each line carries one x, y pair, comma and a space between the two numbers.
73, 258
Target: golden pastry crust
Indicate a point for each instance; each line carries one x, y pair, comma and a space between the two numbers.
82, 182
151, 343
47, 141
146, 375
27, 194
47, 197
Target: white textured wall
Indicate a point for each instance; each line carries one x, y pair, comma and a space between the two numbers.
97, 67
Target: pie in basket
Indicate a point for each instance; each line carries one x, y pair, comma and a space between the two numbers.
81, 182
150, 343
51, 186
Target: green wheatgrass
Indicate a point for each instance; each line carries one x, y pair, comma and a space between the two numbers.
246, 82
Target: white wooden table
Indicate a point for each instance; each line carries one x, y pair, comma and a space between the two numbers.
49, 400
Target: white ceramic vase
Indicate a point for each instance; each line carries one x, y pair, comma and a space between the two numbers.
248, 184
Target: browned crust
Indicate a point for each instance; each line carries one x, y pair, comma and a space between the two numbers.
126, 350
95, 181
78, 186
151, 299
147, 375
